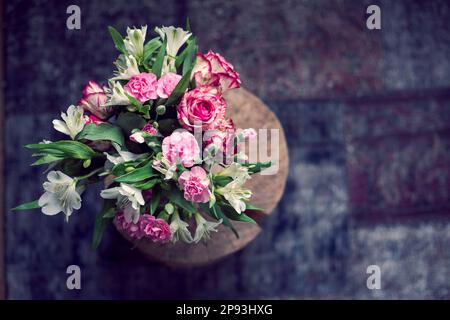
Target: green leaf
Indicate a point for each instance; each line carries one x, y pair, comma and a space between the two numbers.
249, 206
102, 131
27, 206
137, 175
176, 197
180, 88
129, 121
233, 215
157, 66
154, 202
118, 40
149, 48
66, 148
101, 222
217, 213
135, 102
189, 61
46, 159
145, 185
257, 167
110, 213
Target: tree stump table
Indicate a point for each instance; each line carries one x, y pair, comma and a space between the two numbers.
247, 111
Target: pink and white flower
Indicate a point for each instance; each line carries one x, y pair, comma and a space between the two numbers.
167, 83
158, 230
203, 107
195, 184
213, 70
92, 119
139, 136
94, 100
181, 147
142, 87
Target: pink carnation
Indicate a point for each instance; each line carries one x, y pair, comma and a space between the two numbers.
202, 107
156, 229
142, 86
195, 185
180, 147
130, 228
150, 129
167, 83
213, 70
93, 100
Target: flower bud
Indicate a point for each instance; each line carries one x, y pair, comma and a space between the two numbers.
169, 208
161, 109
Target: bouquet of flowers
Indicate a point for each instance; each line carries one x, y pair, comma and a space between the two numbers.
158, 139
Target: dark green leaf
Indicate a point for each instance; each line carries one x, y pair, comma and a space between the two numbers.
154, 202
249, 206
157, 66
118, 40
149, 48
102, 131
27, 206
137, 175
101, 222
217, 213
233, 215
145, 185
69, 148
129, 121
189, 61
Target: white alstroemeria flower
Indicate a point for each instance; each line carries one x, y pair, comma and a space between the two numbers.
60, 195
176, 37
179, 229
134, 42
127, 67
163, 166
204, 228
235, 171
73, 121
129, 198
116, 95
236, 194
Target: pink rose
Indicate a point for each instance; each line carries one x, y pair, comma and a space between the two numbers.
195, 185
180, 147
130, 228
142, 86
92, 119
212, 69
93, 100
156, 229
166, 84
202, 107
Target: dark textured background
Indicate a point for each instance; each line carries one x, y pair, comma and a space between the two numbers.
366, 115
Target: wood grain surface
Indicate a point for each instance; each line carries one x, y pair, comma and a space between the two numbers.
247, 111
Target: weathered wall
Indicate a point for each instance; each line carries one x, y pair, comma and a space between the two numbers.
366, 114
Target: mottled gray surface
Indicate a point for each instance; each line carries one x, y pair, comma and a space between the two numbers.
366, 114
